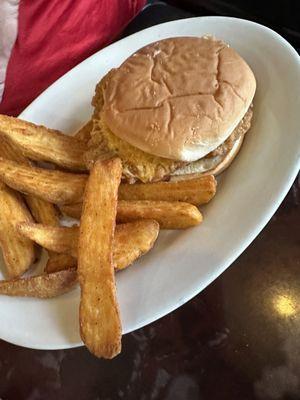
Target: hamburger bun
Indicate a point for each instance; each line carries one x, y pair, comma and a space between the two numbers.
179, 98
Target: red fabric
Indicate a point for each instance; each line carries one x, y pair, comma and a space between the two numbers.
54, 36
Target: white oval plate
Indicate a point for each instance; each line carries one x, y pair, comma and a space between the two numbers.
182, 262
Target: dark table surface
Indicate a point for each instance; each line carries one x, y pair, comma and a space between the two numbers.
238, 339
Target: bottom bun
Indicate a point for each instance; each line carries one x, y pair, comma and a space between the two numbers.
208, 165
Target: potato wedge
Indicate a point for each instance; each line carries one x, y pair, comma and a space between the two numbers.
100, 325
46, 213
11, 152
130, 242
18, 251
84, 133
66, 188
41, 286
169, 215
42, 211
50, 185
42, 144
59, 262
57, 239
195, 191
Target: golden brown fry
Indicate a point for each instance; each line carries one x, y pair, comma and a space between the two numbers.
66, 188
169, 215
42, 144
18, 252
9, 151
41, 286
45, 213
59, 262
51, 185
60, 239
41, 210
100, 325
195, 191
84, 133
130, 242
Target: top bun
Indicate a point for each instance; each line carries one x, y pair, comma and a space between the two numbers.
179, 98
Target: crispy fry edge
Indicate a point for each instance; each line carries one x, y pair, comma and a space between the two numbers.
100, 325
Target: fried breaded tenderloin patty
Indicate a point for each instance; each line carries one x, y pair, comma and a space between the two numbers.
180, 105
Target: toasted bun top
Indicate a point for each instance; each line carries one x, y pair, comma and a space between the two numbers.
178, 98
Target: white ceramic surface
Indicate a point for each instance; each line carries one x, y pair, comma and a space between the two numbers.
182, 263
